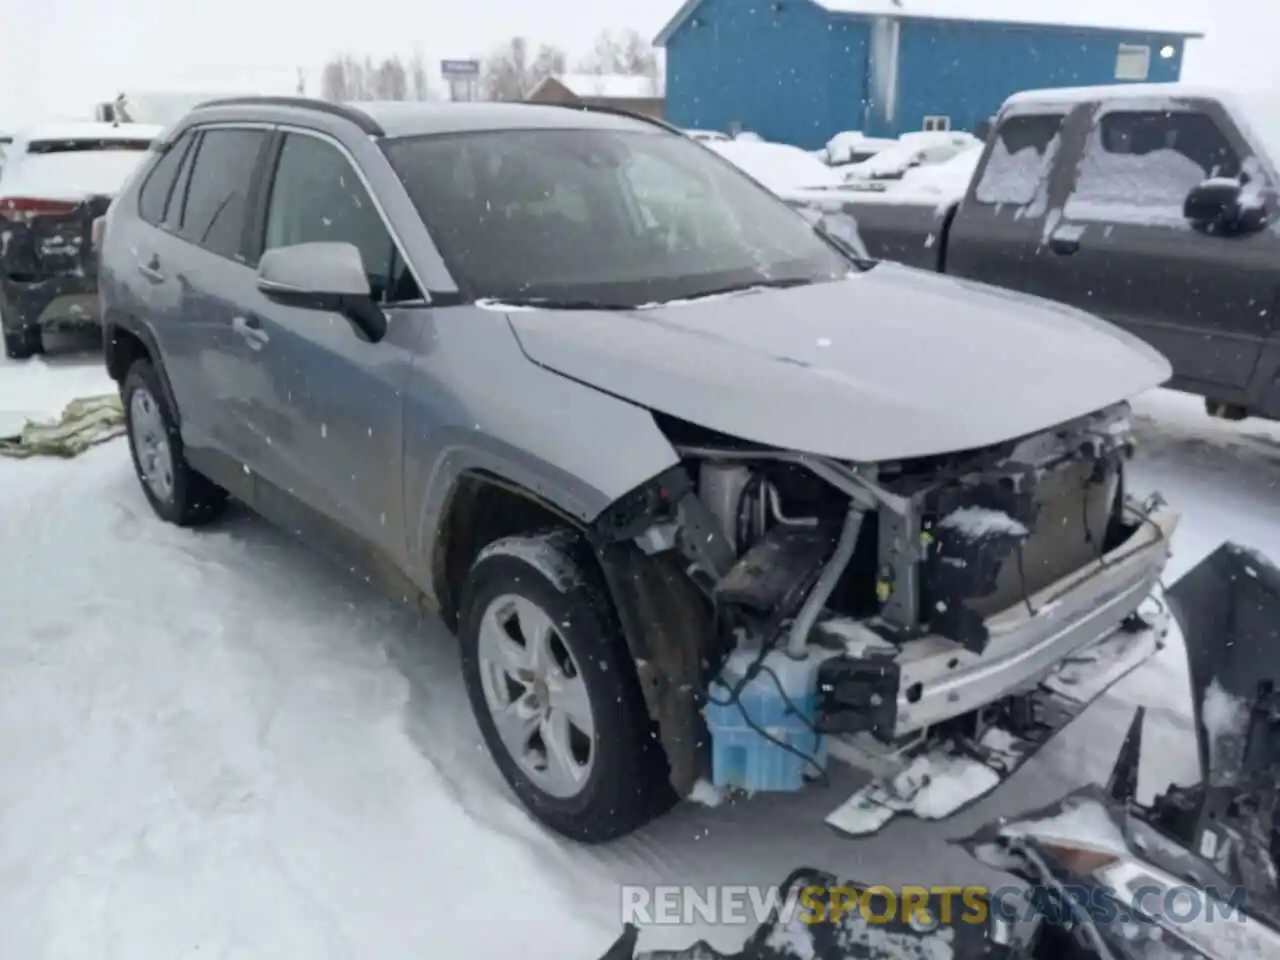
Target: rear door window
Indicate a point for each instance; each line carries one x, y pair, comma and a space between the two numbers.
154, 197
1139, 166
1020, 160
217, 198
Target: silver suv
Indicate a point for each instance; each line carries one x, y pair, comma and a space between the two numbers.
622, 417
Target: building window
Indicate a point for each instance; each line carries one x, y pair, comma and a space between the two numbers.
1133, 62
937, 123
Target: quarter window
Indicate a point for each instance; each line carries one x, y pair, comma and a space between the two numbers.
316, 197
217, 198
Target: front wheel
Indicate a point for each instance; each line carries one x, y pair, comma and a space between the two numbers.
555, 692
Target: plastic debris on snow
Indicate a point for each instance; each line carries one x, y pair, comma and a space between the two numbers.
932, 787
1083, 822
975, 523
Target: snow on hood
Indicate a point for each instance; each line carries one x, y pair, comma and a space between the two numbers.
783, 169
887, 364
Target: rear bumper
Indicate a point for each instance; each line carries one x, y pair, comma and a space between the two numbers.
940, 680
67, 301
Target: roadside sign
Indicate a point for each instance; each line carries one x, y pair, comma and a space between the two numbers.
460, 68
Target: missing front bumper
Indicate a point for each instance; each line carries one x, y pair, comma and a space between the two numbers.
937, 679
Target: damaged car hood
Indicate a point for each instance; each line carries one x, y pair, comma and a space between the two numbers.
886, 364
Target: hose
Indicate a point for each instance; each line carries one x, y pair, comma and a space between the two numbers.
826, 585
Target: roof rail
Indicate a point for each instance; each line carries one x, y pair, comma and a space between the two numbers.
619, 112
361, 119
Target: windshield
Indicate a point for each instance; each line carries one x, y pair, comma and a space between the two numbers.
621, 218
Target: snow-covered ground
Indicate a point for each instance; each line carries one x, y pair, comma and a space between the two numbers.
215, 744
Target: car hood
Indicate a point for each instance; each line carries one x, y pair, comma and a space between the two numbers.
886, 364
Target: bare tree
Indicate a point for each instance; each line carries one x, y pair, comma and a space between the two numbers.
419, 86
391, 80
510, 71
333, 80
351, 78
626, 53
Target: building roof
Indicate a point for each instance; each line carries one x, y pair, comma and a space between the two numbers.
609, 86
1081, 15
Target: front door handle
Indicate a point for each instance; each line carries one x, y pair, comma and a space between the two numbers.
250, 328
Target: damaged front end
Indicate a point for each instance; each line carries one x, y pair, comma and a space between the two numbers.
1192, 875
933, 620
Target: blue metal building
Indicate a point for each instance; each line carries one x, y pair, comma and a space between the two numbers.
799, 71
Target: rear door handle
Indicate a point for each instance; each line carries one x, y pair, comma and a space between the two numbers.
250, 328
151, 270
1064, 246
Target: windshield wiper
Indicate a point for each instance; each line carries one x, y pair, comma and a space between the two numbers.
753, 285
552, 303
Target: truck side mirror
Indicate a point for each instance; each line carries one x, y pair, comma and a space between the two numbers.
1219, 205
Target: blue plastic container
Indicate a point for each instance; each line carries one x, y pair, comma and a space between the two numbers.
740, 756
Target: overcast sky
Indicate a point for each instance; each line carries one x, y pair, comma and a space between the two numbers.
60, 56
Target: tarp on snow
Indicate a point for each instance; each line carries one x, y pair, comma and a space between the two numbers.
86, 422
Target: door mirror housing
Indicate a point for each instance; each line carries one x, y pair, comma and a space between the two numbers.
323, 276
1222, 205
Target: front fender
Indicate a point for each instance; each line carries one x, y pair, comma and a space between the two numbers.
476, 404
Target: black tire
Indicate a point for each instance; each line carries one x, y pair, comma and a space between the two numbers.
628, 782
23, 344
193, 500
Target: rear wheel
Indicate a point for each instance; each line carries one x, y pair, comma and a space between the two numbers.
554, 690
176, 492
23, 344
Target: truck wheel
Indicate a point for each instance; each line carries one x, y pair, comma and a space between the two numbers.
22, 344
176, 492
554, 689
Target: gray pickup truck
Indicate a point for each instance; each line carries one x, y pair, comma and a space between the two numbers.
1152, 206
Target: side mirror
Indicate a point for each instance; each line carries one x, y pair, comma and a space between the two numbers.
323, 276
1220, 205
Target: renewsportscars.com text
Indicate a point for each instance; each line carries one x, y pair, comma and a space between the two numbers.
746, 904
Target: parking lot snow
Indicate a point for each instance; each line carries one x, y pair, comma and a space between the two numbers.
215, 742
